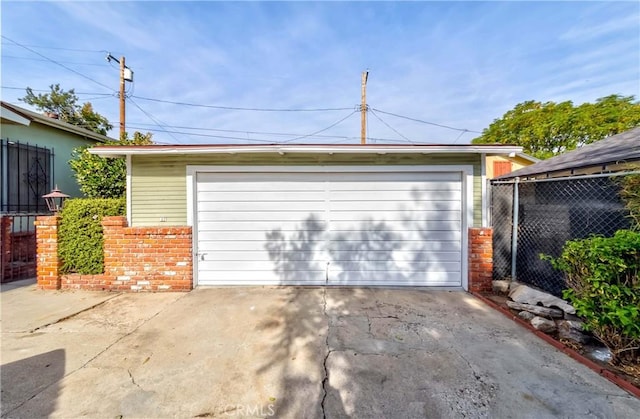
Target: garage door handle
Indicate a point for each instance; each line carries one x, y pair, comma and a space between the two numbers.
201, 256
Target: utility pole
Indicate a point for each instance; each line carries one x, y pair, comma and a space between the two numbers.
363, 108
125, 75
122, 98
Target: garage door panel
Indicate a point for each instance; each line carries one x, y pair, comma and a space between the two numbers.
250, 216
395, 215
372, 228
399, 225
259, 256
398, 195
277, 196
402, 256
287, 226
393, 206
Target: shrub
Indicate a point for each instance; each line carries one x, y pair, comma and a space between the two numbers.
602, 275
81, 242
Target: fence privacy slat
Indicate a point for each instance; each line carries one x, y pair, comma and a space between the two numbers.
551, 212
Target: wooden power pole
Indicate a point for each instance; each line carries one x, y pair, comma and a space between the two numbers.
363, 108
122, 98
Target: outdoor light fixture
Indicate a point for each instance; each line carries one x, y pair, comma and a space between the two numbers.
55, 199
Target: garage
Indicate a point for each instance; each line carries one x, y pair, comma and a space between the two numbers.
350, 226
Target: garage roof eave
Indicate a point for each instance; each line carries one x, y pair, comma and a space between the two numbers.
148, 150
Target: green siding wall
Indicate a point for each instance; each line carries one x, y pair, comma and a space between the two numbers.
61, 142
158, 183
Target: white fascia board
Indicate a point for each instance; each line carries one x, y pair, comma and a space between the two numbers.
14, 117
121, 151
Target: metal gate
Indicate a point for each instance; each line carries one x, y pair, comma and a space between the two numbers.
26, 173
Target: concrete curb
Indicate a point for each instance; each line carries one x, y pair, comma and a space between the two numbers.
613, 377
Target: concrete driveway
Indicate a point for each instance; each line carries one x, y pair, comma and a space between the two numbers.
293, 353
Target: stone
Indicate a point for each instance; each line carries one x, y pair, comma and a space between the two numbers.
527, 295
572, 330
543, 325
526, 315
537, 310
501, 286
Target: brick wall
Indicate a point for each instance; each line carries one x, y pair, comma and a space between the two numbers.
5, 247
47, 261
139, 259
480, 259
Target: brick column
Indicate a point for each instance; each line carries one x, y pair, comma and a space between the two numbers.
5, 247
480, 259
48, 263
113, 234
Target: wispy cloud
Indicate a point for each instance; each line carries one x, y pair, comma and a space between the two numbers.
459, 64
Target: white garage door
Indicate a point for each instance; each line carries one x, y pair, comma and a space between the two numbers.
356, 228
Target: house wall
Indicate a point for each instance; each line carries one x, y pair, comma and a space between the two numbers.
516, 163
61, 142
158, 183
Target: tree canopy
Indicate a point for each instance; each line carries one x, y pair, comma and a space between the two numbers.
65, 105
547, 129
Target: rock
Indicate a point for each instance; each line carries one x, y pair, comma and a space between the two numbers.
537, 310
543, 325
527, 295
525, 315
572, 330
500, 286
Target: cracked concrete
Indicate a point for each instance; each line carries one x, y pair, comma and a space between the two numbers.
298, 353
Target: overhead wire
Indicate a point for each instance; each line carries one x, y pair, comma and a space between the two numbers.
41, 59
48, 90
57, 63
234, 108
56, 48
389, 126
426, 122
322, 130
153, 118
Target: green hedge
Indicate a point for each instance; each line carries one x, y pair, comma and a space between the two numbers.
604, 286
80, 235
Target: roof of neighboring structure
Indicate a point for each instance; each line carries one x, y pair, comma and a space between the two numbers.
617, 149
120, 151
20, 115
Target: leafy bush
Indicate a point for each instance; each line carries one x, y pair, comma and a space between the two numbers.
81, 243
602, 274
101, 177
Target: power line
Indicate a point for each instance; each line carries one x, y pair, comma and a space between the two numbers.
245, 131
45, 90
56, 48
233, 108
151, 117
63, 62
56, 62
389, 126
426, 122
322, 130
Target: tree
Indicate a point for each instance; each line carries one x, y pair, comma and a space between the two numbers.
99, 177
65, 105
547, 129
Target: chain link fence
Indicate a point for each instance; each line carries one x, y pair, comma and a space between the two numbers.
549, 212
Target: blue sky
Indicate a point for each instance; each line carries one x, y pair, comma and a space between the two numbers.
459, 64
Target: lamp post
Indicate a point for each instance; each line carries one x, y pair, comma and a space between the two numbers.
55, 199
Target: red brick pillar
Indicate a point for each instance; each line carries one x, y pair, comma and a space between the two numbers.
5, 247
480, 259
48, 262
113, 236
